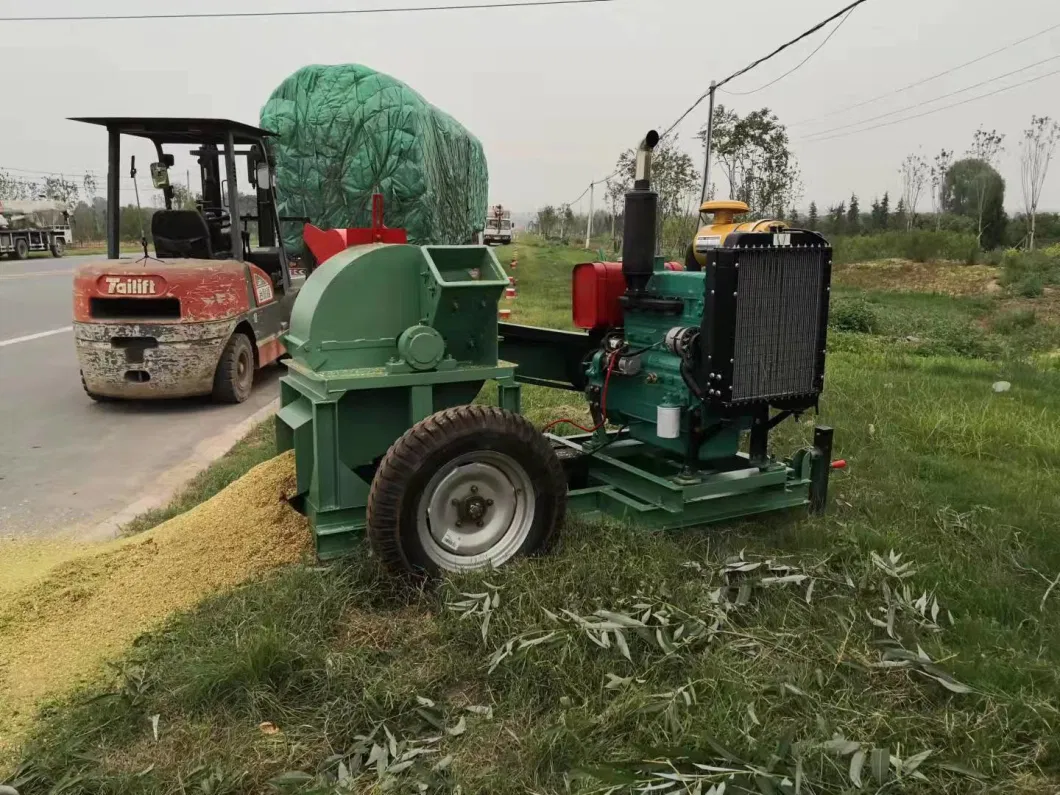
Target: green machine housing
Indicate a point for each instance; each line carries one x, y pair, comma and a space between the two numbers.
381, 337
683, 366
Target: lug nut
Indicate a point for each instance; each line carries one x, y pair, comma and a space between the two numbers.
456, 503
474, 489
489, 502
480, 523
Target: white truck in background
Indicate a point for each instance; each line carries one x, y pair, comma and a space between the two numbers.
498, 226
27, 226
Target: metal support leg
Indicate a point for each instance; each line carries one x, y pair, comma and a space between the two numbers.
821, 468
759, 450
421, 402
509, 395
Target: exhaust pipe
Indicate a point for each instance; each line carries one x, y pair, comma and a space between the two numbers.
642, 206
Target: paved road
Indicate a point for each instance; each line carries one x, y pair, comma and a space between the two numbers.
67, 462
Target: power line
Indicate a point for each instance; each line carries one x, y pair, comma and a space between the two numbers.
797, 66
812, 136
843, 11
304, 13
937, 110
760, 61
878, 97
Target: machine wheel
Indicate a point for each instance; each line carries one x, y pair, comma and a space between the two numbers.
235, 371
467, 488
93, 395
21, 248
58, 247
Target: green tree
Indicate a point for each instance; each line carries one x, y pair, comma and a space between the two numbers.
756, 159
678, 182
901, 215
943, 161
837, 215
17, 188
812, 218
546, 220
974, 189
885, 211
986, 146
853, 215
617, 186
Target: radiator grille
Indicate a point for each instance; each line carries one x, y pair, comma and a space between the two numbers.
778, 322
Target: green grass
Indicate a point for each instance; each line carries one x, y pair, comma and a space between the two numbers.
257, 446
931, 324
940, 665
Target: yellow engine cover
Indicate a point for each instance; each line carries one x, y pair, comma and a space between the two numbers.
713, 234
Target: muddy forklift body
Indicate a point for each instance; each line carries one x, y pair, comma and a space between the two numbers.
206, 310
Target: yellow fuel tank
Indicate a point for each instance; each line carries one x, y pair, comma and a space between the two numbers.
713, 234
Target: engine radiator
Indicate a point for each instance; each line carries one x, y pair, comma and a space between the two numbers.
766, 318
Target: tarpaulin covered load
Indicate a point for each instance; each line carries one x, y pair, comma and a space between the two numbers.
18, 214
347, 131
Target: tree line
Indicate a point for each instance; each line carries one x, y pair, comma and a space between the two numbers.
753, 155
966, 195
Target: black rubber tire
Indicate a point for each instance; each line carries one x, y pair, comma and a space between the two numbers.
21, 248
93, 395
414, 458
58, 247
234, 378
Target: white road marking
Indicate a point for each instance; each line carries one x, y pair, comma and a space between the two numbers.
37, 336
32, 274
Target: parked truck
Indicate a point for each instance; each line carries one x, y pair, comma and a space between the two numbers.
498, 226
27, 226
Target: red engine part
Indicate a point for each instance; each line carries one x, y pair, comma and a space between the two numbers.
595, 290
326, 243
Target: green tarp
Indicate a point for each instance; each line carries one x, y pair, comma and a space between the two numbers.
347, 131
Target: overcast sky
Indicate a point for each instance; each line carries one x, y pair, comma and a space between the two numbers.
554, 94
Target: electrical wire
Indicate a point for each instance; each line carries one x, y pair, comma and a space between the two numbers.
843, 12
603, 403
762, 60
951, 70
797, 66
937, 110
813, 136
307, 13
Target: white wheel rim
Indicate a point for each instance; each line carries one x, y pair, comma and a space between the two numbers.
476, 511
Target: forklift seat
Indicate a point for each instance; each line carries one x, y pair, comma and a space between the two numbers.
181, 233
268, 259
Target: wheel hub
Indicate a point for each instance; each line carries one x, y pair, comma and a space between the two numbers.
477, 509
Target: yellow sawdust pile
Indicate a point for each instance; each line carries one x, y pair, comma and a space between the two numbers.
58, 630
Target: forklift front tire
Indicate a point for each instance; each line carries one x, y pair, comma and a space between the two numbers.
234, 377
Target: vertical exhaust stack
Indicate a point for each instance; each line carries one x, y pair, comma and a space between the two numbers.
642, 205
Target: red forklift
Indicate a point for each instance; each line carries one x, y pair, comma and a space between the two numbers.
206, 310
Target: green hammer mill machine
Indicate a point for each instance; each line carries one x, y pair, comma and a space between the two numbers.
390, 343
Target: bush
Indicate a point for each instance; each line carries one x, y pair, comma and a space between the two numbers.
856, 315
1027, 273
919, 245
1014, 320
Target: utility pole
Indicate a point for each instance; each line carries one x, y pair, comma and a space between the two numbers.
710, 136
589, 227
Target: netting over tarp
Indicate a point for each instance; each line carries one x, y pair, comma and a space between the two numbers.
345, 131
